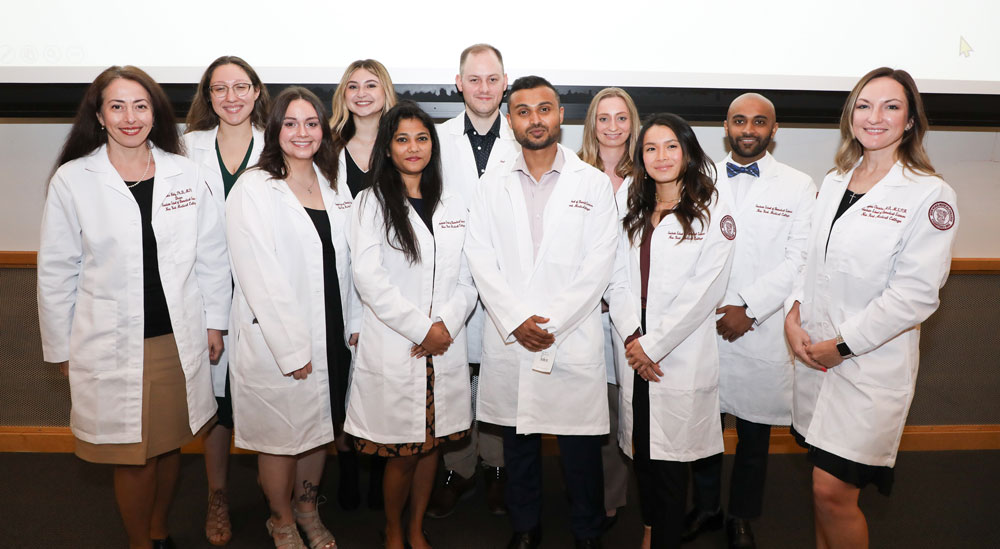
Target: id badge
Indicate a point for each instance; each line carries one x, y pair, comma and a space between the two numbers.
543, 360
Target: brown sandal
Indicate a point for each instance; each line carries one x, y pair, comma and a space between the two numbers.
285, 537
317, 534
218, 529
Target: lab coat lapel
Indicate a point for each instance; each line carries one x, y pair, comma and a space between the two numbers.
519, 215
166, 168
98, 162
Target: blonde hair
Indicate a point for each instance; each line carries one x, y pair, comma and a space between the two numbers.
340, 118
590, 151
911, 149
477, 49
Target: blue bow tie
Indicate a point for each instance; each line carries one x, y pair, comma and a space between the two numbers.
733, 169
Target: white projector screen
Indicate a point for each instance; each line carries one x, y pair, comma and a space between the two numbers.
949, 47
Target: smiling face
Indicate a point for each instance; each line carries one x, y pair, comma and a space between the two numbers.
881, 115
662, 154
535, 117
749, 126
411, 147
482, 83
126, 113
301, 131
612, 126
226, 84
364, 93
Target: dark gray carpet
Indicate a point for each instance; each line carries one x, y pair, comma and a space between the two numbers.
941, 499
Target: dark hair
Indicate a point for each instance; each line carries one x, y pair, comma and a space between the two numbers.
697, 179
272, 159
387, 185
530, 83
202, 116
87, 134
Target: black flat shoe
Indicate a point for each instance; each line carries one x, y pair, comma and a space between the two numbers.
526, 540
165, 543
739, 534
697, 521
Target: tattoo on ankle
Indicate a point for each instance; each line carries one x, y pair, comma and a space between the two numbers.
310, 492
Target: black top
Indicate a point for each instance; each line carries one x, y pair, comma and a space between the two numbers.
229, 179
482, 145
849, 199
418, 206
356, 180
156, 317
338, 357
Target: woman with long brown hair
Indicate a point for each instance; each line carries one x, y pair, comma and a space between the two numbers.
879, 251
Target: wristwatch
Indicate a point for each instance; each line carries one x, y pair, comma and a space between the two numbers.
842, 348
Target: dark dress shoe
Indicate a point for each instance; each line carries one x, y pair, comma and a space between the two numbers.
526, 540
739, 533
698, 521
165, 543
588, 543
496, 481
446, 497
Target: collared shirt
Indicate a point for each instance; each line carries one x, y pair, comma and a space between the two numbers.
741, 182
482, 144
536, 194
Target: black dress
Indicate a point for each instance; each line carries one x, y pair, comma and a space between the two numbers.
338, 357
356, 179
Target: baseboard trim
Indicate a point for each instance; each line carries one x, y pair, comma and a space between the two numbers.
922, 438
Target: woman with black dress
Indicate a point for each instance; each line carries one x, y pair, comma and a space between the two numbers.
407, 236
291, 318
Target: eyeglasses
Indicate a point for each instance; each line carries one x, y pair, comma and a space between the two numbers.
220, 91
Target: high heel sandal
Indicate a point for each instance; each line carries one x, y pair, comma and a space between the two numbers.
218, 529
317, 534
285, 537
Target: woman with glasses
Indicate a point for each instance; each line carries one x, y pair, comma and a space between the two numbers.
224, 136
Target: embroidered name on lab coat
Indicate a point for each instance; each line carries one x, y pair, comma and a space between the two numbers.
679, 235
343, 205
582, 204
888, 213
179, 199
453, 224
773, 210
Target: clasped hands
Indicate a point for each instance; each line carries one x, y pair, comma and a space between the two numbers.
819, 356
639, 361
734, 322
532, 336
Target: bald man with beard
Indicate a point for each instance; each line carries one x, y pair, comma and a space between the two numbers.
772, 204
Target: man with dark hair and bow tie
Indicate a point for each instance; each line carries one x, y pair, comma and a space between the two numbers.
772, 204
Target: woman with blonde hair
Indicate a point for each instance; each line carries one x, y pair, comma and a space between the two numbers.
609, 135
879, 252
364, 94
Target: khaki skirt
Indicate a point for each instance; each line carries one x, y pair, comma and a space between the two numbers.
164, 390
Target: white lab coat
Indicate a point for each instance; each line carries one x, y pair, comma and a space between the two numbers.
873, 278
564, 284
279, 312
200, 147
461, 177
773, 213
614, 346
687, 279
387, 401
90, 288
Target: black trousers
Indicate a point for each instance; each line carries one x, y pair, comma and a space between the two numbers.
746, 487
662, 484
580, 456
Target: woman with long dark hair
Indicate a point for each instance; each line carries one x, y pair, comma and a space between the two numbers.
671, 272
132, 276
291, 321
879, 252
407, 236
224, 135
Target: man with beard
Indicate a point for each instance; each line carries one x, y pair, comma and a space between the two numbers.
772, 204
471, 143
541, 245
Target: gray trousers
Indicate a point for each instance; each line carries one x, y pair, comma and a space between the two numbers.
615, 462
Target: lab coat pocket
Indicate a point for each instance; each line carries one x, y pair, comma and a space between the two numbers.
94, 337
255, 365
